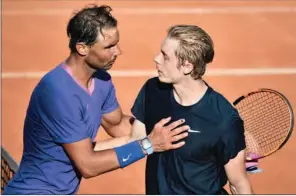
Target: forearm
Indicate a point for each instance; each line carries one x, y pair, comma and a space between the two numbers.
242, 187
112, 143
100, 162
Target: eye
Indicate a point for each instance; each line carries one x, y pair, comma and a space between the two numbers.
165, 57
108, 47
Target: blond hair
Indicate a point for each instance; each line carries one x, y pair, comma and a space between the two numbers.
195, 46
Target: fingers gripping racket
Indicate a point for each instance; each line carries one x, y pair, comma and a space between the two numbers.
268, 121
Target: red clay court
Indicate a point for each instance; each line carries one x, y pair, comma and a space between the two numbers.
255, 47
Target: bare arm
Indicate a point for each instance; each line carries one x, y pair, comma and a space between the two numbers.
89, 162
117, 124
138, 132
237, 175
120, 127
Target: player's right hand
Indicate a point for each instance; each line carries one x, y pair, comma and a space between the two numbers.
166, 137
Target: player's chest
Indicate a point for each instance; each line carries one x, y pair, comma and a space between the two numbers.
203, 136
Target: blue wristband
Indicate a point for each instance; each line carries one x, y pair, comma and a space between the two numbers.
129, 153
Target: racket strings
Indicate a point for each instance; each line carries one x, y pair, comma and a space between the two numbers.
267, 121
6, 174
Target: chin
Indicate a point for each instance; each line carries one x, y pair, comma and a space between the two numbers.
108, 67
105, 68
164, 80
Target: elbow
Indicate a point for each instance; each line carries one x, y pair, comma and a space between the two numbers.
87, 173
86, 168
243, 187
90, 170
86, 176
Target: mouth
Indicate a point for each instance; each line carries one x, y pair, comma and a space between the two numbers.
113, 61
110, 64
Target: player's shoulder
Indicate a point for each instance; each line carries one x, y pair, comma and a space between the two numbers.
54, 81
230, 117
223, 106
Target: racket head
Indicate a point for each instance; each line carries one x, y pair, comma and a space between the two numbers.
272, 109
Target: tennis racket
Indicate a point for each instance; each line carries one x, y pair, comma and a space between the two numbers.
268, 120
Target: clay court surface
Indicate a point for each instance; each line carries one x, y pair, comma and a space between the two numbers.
255, 47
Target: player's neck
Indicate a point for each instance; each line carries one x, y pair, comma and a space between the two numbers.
80, 70
189, 92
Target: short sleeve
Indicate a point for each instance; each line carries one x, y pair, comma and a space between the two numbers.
110, 102
232, 140
138, 109
61, 115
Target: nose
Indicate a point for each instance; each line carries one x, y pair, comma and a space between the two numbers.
117, 50
157, 58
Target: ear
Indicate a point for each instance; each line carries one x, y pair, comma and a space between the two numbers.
82, 49
187, 68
